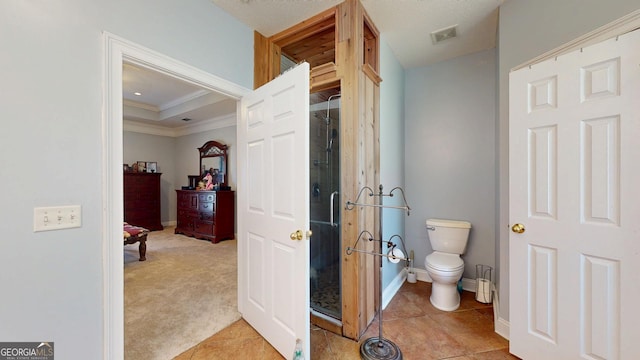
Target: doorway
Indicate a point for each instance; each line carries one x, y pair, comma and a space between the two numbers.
118, 52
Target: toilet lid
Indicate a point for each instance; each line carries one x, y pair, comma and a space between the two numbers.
444, 262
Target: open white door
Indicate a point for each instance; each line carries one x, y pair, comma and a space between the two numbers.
273, 204
574, 207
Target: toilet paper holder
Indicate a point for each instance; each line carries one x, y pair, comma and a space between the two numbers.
484, 285
394, 253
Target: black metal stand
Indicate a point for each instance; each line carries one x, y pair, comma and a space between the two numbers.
379, 348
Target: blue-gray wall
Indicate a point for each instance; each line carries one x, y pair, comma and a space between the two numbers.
450, 153
392, 164
51, 148
145, 147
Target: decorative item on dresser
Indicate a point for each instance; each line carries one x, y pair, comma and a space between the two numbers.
142, 199
208, 212
208, 215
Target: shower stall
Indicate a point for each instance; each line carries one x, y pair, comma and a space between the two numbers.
325, 271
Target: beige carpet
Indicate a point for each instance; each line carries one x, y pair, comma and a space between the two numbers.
185, 292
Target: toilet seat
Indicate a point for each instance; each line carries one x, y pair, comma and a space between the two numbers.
444, 262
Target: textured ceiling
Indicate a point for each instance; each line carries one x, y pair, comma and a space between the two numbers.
405, 25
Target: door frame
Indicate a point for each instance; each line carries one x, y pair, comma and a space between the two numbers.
117, 51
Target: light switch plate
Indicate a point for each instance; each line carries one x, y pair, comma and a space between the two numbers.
57, 217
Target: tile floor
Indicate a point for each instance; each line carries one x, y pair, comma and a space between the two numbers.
421, 331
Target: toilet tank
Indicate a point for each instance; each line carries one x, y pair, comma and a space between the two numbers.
449, 236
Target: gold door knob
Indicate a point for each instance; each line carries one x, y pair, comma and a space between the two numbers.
298, 235
517, 228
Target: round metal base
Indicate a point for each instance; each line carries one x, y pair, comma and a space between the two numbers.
384, 349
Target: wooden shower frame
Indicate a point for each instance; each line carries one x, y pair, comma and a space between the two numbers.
341, 45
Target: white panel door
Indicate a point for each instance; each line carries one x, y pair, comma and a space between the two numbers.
273, 202
574, 186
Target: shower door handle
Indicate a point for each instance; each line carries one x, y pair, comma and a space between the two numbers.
333, 194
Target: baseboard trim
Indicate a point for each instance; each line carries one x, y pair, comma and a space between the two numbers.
469, 284
421, 275
502, 328
500, 325
393, 288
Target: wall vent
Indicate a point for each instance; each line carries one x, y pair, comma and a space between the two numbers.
444, 34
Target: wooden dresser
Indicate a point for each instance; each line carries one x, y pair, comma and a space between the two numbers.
208, 215
142, 200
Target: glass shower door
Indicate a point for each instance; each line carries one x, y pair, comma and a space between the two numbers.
325, 271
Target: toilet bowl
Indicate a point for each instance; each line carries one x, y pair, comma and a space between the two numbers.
448, 239
445, 270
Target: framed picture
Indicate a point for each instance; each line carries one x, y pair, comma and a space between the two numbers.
152, 166
142, 166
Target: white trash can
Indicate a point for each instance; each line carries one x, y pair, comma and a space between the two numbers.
484, 286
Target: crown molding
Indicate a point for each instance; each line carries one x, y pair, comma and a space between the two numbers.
140, 105
149, 129
201, 126
184, 99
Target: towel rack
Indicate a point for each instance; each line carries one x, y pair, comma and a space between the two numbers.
379, 348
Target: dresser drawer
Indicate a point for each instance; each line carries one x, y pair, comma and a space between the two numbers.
206, 207
206, 216
206, 197
188, 201
204, 227
186, 213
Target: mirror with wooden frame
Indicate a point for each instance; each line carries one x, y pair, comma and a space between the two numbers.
213, 158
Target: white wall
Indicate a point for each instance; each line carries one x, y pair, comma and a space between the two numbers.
450, 152
51, 110
391, 150
528, 29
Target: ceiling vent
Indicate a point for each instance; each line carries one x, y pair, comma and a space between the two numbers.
439, 36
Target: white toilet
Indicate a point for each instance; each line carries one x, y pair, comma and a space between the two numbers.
448, 239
